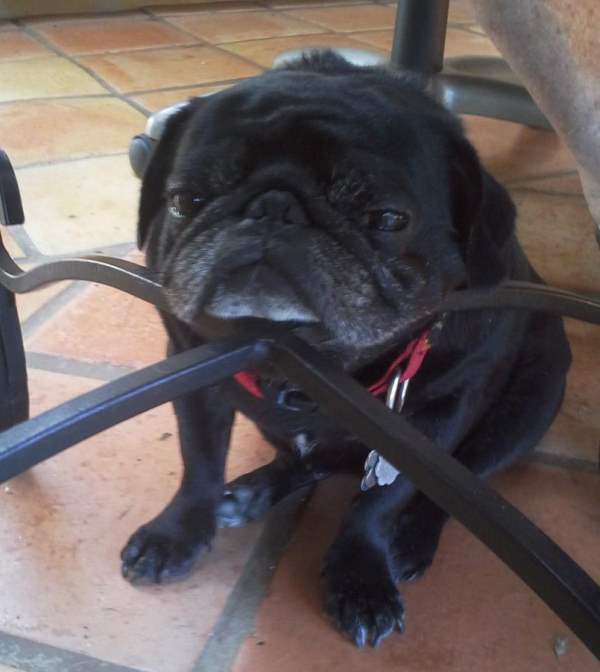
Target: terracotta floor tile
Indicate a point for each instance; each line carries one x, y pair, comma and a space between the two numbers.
144, 70
512, 152
93, 203
558, 235
198, 8
561, 185
576, 431
16, 45
458, 42
461, 11
380, 39
464, 43
110, 34
220, 28
348, 19
44, 78
488, 623
54, 130
104, 325
264, 52
62, 527
30, 302
161, 99
296, 4
83, 17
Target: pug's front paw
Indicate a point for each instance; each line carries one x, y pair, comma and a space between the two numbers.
360, 596
164, 549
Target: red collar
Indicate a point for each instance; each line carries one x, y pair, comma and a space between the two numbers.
414, 352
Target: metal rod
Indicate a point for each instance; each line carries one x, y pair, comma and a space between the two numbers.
555, 577
140, 282
533, 556
26, 444
420, 35
118, 273
526, 296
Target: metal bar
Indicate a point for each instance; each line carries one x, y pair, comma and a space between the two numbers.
484, 96
28, 443
118, 273
533, 556
420, 35
140, 282
14, 396
526, 296
557, 579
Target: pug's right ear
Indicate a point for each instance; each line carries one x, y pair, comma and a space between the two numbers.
160, 165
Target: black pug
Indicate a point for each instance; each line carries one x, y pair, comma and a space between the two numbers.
343, 202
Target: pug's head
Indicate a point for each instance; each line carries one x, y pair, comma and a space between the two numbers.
321, 194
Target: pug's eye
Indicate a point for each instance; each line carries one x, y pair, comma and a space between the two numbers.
184, 204
389, 220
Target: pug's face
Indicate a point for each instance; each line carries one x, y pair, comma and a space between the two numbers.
320, 194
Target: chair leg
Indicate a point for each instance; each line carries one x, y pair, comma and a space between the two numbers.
14, 394
420, 35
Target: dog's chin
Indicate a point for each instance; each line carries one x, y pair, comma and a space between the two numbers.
259, 293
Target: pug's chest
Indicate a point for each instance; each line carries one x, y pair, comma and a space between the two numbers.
285, 414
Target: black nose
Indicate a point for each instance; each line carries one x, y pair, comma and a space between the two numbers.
277, 206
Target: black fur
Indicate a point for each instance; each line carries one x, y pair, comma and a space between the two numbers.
289, 165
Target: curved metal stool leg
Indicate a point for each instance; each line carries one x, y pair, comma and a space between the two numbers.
486, 87
482, 86
13, 373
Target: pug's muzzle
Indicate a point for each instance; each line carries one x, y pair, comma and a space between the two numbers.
251, 282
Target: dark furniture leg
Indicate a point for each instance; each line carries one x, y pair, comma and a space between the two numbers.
471, 85
13, 374
14, 396
477, 85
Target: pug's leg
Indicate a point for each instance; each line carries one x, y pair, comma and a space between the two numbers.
392, 532
168, 546
511, 429
250, 496
359, 582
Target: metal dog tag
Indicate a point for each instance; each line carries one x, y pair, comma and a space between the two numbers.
378, 471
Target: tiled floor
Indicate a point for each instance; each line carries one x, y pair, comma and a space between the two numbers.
72, 93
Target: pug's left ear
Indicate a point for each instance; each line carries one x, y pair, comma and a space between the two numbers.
484, 216
155, 175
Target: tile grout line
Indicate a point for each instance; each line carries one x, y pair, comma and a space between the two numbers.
238, 617
142, 92
59, 52
71, 159
26, 655
562, 462
542, 176
545, 192
204, 43
85, 96
103, 371
31, 325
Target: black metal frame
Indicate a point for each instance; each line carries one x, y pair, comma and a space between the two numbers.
485, 86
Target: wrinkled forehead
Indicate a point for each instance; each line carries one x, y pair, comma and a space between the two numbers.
279, 107
320, 120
